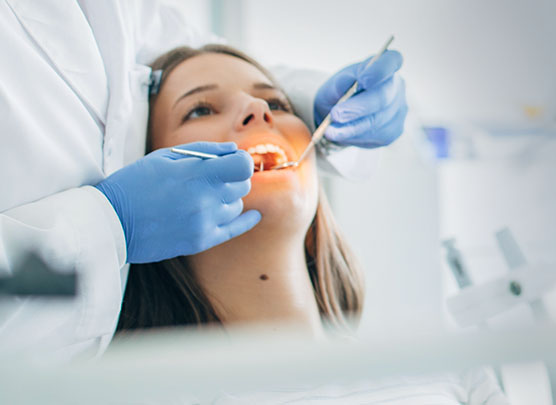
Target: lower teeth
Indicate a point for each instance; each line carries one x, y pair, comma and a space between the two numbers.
272, 160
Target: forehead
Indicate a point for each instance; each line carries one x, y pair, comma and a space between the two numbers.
212, 68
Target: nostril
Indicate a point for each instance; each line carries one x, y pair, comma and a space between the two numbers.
247, 119
266, 117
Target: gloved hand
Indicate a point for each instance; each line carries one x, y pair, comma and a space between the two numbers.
374, 116
171, 205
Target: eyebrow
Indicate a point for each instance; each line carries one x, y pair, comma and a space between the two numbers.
263, 86
195, 90
207, 87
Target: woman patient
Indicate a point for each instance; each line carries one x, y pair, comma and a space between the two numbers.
293, 266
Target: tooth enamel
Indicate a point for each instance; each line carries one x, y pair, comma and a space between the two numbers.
261, 149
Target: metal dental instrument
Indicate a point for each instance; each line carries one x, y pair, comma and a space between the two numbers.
319, 132
202, 155
193, 153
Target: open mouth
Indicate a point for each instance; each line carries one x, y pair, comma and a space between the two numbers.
266, 156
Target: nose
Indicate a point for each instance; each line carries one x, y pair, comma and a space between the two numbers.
255, 112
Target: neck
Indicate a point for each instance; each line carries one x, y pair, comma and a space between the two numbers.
260, 277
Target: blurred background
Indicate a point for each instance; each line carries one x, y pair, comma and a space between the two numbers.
478, 153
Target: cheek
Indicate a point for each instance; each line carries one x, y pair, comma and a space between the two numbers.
209, 130
286, 207
290, 204
296, 132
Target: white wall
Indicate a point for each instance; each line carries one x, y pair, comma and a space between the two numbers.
197, 12
392, 223
474, 59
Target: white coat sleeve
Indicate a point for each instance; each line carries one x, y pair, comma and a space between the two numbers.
301, 87
73, 231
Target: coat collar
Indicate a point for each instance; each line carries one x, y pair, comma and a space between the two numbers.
62, 32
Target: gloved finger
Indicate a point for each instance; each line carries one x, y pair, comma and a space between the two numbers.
230, 192
380, 71
237, 166
368, 101
238, 226
375, 137
368, 123
334, 88
215, 148
226, 213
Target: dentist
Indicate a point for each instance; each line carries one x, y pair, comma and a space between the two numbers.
74, 104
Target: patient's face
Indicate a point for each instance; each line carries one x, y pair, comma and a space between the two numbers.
231, 100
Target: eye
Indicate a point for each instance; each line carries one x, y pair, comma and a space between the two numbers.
278, 104
199, 110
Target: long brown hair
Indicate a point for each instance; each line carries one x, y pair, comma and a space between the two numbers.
167, 293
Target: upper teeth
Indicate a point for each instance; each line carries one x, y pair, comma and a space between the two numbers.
261, 149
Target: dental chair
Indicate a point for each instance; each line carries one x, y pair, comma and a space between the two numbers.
514, 298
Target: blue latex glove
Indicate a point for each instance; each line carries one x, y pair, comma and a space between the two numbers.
374, 116
172, 205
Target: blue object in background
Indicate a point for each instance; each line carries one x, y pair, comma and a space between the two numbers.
439, 137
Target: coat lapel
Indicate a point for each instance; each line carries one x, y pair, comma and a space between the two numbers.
62, 32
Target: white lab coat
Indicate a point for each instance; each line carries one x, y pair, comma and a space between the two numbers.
73, 103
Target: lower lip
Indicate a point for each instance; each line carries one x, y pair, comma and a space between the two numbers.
274, 174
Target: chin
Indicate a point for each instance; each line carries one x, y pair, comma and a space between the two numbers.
287, 205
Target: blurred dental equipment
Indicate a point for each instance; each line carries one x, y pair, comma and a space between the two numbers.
201, 365
319, 132
455, 261
476, 304
36, 278
193, 153
524, 284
